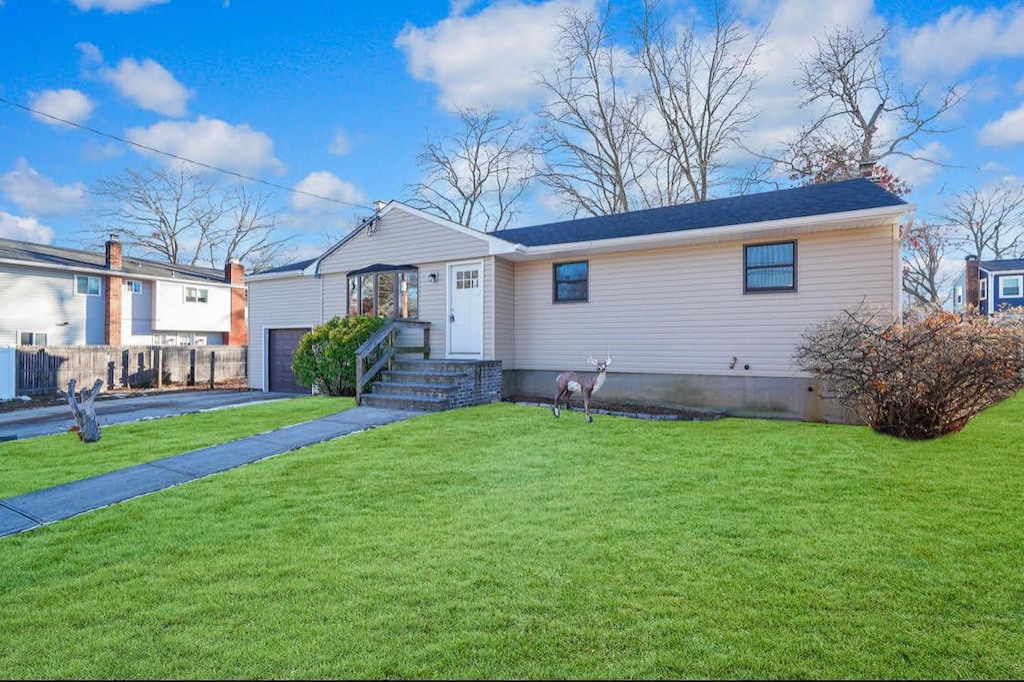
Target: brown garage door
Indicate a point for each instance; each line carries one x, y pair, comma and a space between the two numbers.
281, 345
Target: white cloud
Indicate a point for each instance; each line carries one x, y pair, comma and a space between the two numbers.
962, 38
116, 6
238, 148
90, 53
795, 26
919, 173
489, 59
24, 229
340, 145
39, 195
70, 105
1006, 132
325, 184
149, 85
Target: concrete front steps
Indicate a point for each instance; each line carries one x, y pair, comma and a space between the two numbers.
436, 385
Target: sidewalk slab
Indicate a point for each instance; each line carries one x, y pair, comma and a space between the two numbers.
71, 499
27, 511
12, 522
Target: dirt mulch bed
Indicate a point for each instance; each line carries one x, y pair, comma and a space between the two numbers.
620, 409
54, 399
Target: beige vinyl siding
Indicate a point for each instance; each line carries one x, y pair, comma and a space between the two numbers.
277, 304
683, 311
503, 306
404, 239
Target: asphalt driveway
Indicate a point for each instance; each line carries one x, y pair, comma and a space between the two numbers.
48, 420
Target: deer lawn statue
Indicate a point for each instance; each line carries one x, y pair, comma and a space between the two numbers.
568, 383
86, 426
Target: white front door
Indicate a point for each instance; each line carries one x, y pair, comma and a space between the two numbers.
466, 310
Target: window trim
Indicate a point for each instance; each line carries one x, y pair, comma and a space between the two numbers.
202, 295
1003, 279
88, 280
554, 282
769, 290
34, 334
983, 289
396, 291
133, 286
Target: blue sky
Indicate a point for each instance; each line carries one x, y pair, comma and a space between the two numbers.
336, 98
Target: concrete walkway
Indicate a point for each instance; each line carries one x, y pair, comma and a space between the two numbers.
31, 510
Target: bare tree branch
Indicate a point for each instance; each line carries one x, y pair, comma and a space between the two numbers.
989, 223
700, 87
861, 100
177, 216
477, 176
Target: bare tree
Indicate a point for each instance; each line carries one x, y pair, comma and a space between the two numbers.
700, 87
989, 222
476, 176
924, 280
178, 216
866, 110
248, 231
595, 153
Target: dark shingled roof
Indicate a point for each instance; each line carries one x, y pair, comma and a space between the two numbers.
1002, 265
74, 258
290, 267
799, 202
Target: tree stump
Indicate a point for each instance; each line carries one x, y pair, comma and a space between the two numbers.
85, 413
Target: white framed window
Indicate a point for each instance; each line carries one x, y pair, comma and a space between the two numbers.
31, 338
87, 286
958, 295
982, 289
1011, 286
133, 285
196, 295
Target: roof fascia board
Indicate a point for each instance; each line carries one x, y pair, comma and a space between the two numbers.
495, 246
705, 235
97, 270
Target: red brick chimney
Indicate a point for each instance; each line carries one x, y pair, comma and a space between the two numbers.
867, 169
234, 274
112, 296
972, 287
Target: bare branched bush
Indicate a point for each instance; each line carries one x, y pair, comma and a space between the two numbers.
918, 378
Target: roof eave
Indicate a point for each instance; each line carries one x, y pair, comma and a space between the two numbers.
707, 235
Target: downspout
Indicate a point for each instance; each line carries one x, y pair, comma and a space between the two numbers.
897, 280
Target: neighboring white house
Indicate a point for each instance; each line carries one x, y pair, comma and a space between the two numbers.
57, 296
699, 305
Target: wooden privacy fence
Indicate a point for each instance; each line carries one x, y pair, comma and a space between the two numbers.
42, 370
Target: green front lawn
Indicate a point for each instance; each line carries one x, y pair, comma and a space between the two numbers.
37, 463
499, 542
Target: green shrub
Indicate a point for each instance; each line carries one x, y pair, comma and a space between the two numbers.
326, 356
918, 378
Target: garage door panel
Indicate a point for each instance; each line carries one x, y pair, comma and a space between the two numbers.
281, 347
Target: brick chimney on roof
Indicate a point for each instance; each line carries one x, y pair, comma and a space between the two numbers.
972, 286
112, 295
867, 169
234, 274
113, 255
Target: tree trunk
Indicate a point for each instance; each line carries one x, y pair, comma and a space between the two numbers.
85, 413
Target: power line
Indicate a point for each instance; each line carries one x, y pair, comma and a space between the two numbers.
180, 158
